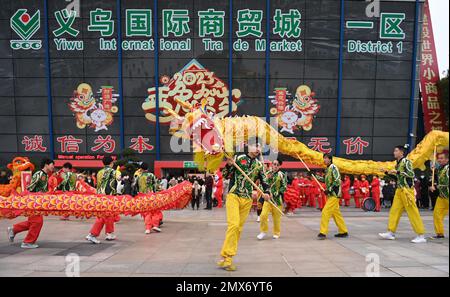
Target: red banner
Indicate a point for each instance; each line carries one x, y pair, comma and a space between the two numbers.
433, 112
280, 97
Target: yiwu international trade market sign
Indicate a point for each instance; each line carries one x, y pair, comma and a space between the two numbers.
176, 23
94, 105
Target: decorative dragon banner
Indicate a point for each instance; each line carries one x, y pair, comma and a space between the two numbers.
192, 84
294, 112
92, 112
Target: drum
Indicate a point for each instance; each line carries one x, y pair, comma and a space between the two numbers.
368, 204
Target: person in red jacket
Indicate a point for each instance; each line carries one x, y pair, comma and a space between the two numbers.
375, 186
297, 186
321, 196
298, 182
310, 192
365, 190
218, 184
346, 191
357, 195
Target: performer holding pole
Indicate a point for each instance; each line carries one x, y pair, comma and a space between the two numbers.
277, 182
39, 183
404, 199
333, 191
68, 183
239, 198
147, 182
441, 207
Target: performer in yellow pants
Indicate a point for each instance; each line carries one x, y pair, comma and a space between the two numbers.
404, 199
332, 210
441, 207
333, 191
277, 181
239, 199
268, 208
238, 209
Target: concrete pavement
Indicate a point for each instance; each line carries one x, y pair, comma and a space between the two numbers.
191, 240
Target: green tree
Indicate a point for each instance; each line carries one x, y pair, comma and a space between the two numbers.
443, 93
129, 160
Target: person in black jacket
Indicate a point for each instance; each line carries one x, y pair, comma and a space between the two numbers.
388, 192
209, 183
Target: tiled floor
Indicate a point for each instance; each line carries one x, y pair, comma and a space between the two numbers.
191, 240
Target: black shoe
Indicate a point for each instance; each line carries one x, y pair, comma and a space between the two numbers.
341, 235
437, 237
321, 236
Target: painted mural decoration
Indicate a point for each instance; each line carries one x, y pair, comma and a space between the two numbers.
192, 84
294, 112
96, 113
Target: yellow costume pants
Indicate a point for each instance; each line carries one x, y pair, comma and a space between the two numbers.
238, 209
440, 211
404, 201
276, 215
331, 210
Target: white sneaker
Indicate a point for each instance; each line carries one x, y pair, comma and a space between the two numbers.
110, 236
276, 236
92, 239
261, 236
258, 219
388, 235
29, 245
156, 229
11, 234
147, 231
419, 239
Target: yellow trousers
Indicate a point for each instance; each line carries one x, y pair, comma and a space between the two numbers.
440, 211
331, 210
238, 209
269, 208
404, 201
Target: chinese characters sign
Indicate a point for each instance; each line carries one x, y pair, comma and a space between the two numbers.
192, 84
174, 23
390, 29
429, 77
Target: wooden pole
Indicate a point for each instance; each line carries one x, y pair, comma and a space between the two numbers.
252, 182
309, 170
433, 170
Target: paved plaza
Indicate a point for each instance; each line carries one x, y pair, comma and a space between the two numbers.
191, 240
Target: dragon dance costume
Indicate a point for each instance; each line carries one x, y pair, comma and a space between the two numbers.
404, 199
332, 181
277, 181
147, 183
239, 202
441, 207
39, 183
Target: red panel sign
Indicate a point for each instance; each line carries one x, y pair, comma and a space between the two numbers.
429, 77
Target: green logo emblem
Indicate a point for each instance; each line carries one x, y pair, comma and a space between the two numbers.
25, 26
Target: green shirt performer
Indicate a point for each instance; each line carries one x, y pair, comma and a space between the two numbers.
239, 198
277, 181
333, 191
404, 199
